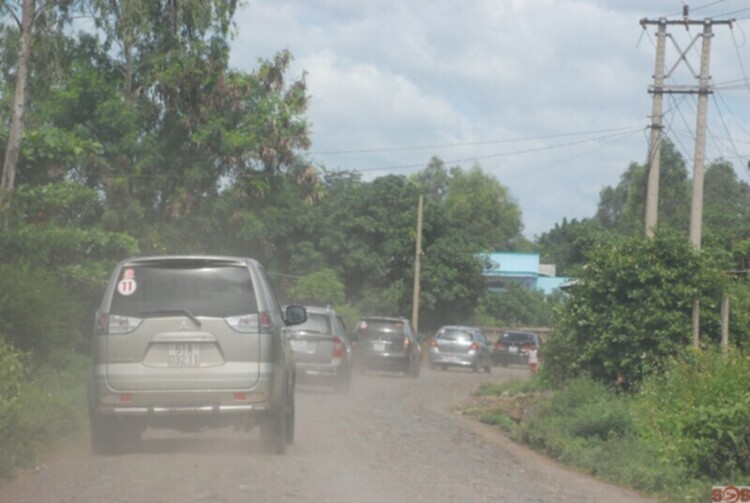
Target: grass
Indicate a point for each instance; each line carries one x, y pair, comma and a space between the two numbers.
590, 426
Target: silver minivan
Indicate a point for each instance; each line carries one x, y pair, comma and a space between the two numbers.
190, 342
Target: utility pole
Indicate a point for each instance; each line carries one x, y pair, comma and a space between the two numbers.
417, 265
654, 151
702, 90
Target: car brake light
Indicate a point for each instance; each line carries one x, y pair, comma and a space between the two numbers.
473, 346
245, 322
406, 343
527, 347
265, 321
115, 324
433, 343
500, 346
126, 397
338, 348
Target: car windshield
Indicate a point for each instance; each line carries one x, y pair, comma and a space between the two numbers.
454, 334
517, 337
215, 291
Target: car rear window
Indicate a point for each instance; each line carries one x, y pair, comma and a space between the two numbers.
517, 337
374, 328
211, 291
453, 334
316, 322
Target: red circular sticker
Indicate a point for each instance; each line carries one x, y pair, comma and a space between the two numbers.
126, 286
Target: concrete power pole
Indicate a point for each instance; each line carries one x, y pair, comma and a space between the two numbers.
417, 266
654, 151
702, 90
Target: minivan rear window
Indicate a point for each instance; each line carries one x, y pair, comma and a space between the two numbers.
210, 291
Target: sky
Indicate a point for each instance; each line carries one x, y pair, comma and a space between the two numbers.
548, 96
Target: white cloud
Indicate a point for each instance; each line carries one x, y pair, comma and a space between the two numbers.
387, 74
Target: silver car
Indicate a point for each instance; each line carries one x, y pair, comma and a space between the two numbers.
322, 350
461, 346
190, 342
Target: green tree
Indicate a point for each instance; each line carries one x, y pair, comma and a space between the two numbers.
568, 244
481, 205
622, 208
517, 307
322, 287
632, 307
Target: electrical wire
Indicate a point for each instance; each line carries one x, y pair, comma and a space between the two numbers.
504, 154
468, 144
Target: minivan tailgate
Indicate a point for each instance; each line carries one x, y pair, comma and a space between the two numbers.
171, 354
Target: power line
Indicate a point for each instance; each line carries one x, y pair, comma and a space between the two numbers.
469, 144
621, 133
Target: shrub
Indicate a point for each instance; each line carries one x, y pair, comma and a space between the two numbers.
47, 405
12, 377
632, 309
698, 414
37, 313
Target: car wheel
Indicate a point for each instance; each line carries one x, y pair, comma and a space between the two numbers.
488, 368
105, 435
277, 428
475, 365
416, 367
291, 416
343, 383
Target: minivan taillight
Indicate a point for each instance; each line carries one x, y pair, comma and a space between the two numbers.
265, 321
246, 323
339, 350
115, 324
474, 346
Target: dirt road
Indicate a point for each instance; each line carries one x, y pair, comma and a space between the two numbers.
392, 439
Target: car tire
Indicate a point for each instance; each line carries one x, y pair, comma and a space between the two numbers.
277, 428
416, 367
343, 383
105, 435
475, 366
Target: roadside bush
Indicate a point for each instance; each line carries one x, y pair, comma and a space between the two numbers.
45, 405
12, 376
698, 414
37, 314
587, 425
631, 309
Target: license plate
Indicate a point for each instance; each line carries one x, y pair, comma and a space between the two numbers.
184, 355
513, 349
378, 346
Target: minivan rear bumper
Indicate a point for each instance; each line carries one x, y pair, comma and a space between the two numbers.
158, 411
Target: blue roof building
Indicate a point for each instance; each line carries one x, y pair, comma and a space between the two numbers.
508, 268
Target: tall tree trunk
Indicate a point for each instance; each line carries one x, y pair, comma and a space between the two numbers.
13, 150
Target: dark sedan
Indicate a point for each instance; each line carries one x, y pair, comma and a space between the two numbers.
514, 347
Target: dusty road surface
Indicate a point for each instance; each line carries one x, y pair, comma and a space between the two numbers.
391, 439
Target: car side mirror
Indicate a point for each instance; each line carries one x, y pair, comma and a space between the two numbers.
296, 315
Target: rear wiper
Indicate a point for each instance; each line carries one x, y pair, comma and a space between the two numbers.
167, 312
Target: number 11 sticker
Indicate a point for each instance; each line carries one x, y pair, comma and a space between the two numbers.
126, 286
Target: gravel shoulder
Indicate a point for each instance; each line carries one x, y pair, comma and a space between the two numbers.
392, 438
